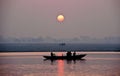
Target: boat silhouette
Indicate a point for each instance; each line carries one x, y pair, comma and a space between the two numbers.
76, 57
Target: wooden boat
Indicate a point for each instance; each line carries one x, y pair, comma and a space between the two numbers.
76, 57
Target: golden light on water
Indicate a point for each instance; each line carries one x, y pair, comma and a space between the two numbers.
60, 18
60, 68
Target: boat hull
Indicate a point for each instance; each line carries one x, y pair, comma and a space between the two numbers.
65, 57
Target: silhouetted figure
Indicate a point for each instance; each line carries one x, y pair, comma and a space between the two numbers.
52, 54
74, 54
69, 54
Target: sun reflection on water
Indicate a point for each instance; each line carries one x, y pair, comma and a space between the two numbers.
60, 66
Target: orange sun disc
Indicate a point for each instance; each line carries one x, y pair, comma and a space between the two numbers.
60, 18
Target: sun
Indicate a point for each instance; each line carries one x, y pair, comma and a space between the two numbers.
60, 18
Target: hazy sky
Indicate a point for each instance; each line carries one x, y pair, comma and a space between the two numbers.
37, 18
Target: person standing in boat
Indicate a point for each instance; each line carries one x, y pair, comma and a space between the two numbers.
52, 54
74, 54
69, 54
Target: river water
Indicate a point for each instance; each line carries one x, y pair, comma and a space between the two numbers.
33, 64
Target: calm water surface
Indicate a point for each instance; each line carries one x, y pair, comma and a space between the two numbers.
33, 64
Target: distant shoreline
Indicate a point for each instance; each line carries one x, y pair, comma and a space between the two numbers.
58, 48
